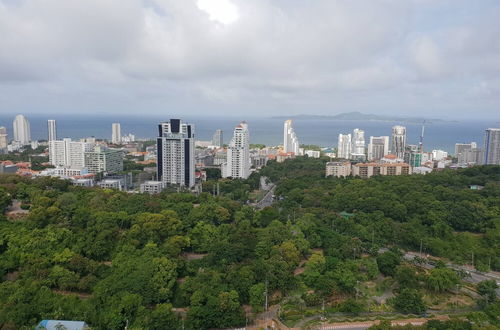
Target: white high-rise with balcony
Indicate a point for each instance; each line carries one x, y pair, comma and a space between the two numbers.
344, 146
175, 153
398, 141
358, 142
22, 131
67, 153
4, 141
492, 146
52, 130
116, 134
290, 140
238, 154
378, 147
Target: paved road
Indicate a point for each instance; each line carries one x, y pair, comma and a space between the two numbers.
473, 277
267, 200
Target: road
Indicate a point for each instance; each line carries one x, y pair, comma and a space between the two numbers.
267, 200
473, 277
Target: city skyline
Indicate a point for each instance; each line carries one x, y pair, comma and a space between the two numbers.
432, 58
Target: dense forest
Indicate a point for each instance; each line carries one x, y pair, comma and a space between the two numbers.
178, 260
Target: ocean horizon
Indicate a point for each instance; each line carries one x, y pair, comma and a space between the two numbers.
269, 131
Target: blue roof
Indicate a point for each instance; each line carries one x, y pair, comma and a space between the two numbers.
61, 324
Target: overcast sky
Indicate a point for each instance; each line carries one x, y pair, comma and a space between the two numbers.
436, 58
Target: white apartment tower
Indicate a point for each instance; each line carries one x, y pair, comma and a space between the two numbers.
358, 142
492, 146
344, 146
22, 132
52, 131
116, 133
175, 153
290, 140
69, 154
238, 154
378, 147
4, 141
217, 139
398, 141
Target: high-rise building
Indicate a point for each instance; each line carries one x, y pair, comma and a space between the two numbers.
398, 141
52, 131
290, 140
238, 154
466, 153
358, 142
413, 155
116, 134
67, 153
104, 160
492, 146
378, 147
175, 153
4, 141
439, 155
344, 146
218, 139
22, 131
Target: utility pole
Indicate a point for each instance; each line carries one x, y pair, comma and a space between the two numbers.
420, 247
265, 304
472, 259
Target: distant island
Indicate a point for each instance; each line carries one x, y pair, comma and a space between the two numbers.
358, 116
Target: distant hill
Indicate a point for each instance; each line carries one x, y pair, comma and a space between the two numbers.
358, 116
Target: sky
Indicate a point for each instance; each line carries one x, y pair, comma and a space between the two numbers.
433, 58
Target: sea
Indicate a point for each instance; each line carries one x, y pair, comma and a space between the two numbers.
269, 131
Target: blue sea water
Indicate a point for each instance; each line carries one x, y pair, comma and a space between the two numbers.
268, 131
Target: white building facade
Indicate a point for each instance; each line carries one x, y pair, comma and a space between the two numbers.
116, 133
398, 141
344, 146
238, 154
175, 153
290, 140
492, 146
51, 130
358, 142
22, 130
378, 147
68, 153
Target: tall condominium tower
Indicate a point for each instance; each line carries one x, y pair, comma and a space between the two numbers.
218, 139
358, 142
492, 146
116, 133
175, 153
52, 131
67, 153
22, 132
4, 141
344, 146
398, 141
467, 153
290, 140
378, 147
238, 154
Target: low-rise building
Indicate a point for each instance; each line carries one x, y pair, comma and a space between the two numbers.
112, 184
312, 153
87, 183
338, 169
367, 170
152, 187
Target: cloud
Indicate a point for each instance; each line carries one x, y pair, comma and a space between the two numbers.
326, 53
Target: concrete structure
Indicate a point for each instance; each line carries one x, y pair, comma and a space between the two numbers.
492, 146
152, 187
68, 153
344, 146
312, 153
104, 160
473, 156
112, 184
64, 172
398, 141
461, 149
4, 140
238, 154
290, 140
87, 183
175, 153
439, 155
412, 155
218, 139
51, 130
358, 142
116, 133
22, 131
378, 147
61, 325
391, 159
7, 169
367, 170
421, 170
338, 169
